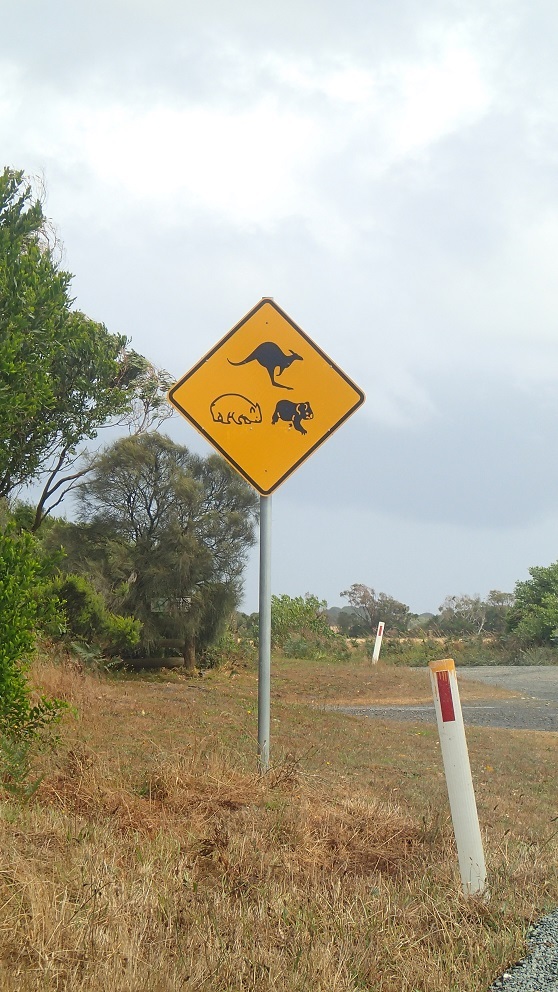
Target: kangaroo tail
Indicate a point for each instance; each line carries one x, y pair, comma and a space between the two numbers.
238, 363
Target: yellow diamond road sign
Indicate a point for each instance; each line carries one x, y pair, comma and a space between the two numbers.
266, 396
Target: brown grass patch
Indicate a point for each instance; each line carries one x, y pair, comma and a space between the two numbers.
155, 857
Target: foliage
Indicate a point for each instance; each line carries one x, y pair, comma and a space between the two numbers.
120, 634
147, 388
83, 608
163, 535
229, 649
498, 605
296, 646
371, 609
86, 616
465, 616
316, 648
62, 375
214, 605
469, 651
22, 574
540, 654
534, 617
247, 625
409, 651
16, 754
303, 616
349, 622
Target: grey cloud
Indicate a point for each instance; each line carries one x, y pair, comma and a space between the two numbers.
174, 46
397, 271
485, 461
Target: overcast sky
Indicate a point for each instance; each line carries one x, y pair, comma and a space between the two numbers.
388, 172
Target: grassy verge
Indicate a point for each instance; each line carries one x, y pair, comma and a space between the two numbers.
153, 857
469, 651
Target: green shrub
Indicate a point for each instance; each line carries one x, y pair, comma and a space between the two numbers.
22, 609
466, 651
396, 651
15, 767
541, 655
23, 723
84, 609
533, 618
316, 648
119, 634
299, 616
229, 649
297, 647
336, 649
87, 619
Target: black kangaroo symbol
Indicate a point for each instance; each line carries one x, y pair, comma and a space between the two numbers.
270, 356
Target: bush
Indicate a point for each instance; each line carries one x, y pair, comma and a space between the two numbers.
87, 619
119, 634
468, 651
397, 651
316, 648
23, 723
229, 649
533, 618
19, 569
22, 608
299, 616
297, 647
15, 767
83, 608
541, 655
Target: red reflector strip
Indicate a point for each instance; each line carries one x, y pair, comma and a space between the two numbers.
446, 700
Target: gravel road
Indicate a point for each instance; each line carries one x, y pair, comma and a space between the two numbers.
532, 681
534, 708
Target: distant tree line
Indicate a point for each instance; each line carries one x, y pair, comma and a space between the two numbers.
529, 614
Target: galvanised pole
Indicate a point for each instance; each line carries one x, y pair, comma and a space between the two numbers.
264, 669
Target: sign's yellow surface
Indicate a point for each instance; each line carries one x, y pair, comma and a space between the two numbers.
266, 396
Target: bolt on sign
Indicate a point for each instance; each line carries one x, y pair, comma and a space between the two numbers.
266, 396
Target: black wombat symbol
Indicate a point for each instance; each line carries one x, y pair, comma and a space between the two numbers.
236, 409
293, 413
270, 357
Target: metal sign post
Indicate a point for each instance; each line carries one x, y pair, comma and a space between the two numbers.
266, 397
264, 661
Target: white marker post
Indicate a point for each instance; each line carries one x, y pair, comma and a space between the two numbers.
378, 643
458, 776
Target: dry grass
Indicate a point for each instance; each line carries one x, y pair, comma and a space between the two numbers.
155, 858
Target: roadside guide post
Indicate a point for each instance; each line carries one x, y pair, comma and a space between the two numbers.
378, 643
458, 776
266, 397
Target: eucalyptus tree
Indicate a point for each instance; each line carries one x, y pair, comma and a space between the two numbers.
370, 608
63, 376
169, 532
467, 616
